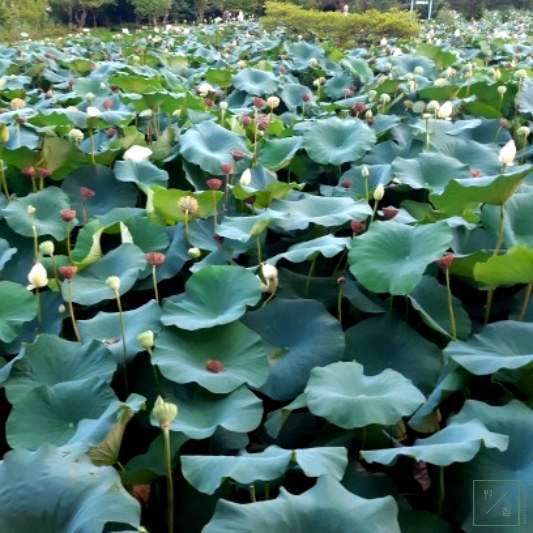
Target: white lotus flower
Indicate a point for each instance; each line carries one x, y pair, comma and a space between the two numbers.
379, 192
446, 110
507, 154
37, 277
137, 153
270, 273
383, 42
273, 102
93, 111
205, 88
125, 31
246, 178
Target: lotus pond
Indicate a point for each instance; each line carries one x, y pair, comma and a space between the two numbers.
250, 283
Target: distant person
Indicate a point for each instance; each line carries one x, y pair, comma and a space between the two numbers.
240, 16
226, 15
345, 9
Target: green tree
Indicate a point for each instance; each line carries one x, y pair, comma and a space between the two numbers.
23, 13
153, 9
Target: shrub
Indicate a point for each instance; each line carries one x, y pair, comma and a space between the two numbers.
343, 29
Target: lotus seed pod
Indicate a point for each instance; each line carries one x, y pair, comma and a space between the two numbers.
214, 184
502, 89
426, 116
273, 102
385, 98
164, 412
313, 62
68, 215
226, 168
188, 204
75, 135
17, 103
47, 248
146, 339
113, 282
520, 74
433, 106
68, 272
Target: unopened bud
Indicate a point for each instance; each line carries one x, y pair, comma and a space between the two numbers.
146, 339
164, 412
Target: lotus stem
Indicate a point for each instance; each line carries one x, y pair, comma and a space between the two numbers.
253, 496
4, 181
54, 266
71, 311
35, 241
84, 211
258, 245
427, 134
339, 305
215, 206
154, 368
441, 491
69, 251
168, 472
267, 490
18, 135
524, 145
39, 311
450, 305
374, 211
123, 334
91, 139
309, 276
488, 305
367, 192
525, 303
363, 438
187, 225
500, 231
154, 278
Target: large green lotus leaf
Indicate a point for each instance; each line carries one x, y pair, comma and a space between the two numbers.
183, 357
47, 203
242, 229
456, 443
61, 157
502, 345
403, 349
105, 328
378, 174
453, 379
477, 156
302, 51
328, 246
89, 286
255, 81
517, 227
430, 299
141, 173
525, 98
201, 412
493, 190
442, 58
336, 85
209, 146
422, 522
53, 490
516, 266
278, 153
328, 506
336, 141
393, 257
515, 420
344, 396
207, 473
165, 203
149, 237
50, 361
292, 95
64, 414
6, 252
109, 192
298, 214
301, 335
213, 296
17, 307
429, 171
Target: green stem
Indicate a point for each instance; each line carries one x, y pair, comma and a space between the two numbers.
4, 181
524, 144
267, 490
427, 135
71, 311
488, 305
339, 305
450, 305
500, 231
18, 135
168, 472
54, 266
187, 225
272, 294
441, 490
309, 276
258, 245
525, 303
84, 211
69, 252
123, 334
367, 192
91, 138
39, 312
374, 211
156, 377
253, 497
35, 241
215, 206
154, 277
